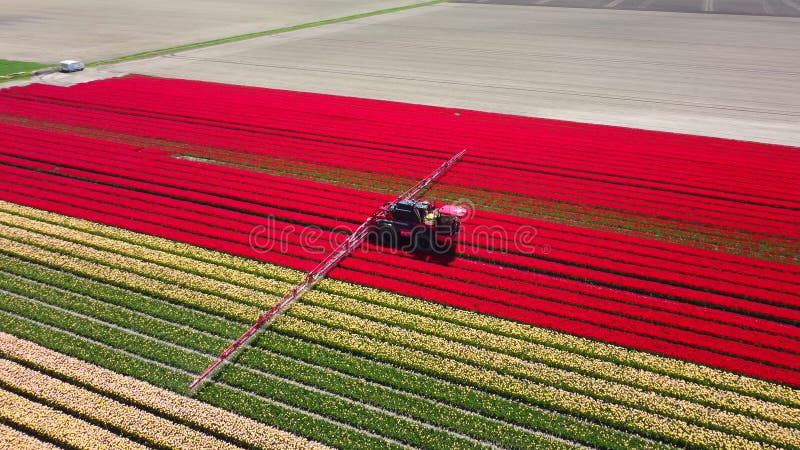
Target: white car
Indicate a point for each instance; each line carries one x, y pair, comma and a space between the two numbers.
71, 66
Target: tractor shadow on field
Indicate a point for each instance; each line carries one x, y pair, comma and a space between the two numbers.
436, 257
421, 250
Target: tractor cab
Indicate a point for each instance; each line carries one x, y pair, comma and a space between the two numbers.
426, 226
411, 211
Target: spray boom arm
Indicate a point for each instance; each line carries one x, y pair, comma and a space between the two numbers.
342, 251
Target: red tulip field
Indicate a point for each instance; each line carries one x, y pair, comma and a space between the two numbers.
611, 287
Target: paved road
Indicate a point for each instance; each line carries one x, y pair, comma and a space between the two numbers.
51, 30
720, 75
782, 8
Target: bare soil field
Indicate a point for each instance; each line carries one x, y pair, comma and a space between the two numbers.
50, 30
710, 74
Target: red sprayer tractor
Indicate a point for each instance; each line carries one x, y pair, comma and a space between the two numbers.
419, 225
425, 226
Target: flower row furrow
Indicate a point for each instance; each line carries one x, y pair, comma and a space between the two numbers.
283, 362
136, 282
555, 357
549, 377
648, 424
61, 242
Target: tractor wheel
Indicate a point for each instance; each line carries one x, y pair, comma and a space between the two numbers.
446, 247
386, 236
420, 241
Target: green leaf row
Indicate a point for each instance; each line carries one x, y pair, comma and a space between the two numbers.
127, 281
179, 335
646, 424
218, 395
361, 388
530, 352
69, 344
283, 391
154, 307
212, 289
402, 403
613, 394
443, 392
115, 337
347, 412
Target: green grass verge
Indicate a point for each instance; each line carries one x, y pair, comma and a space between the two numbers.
8, 66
